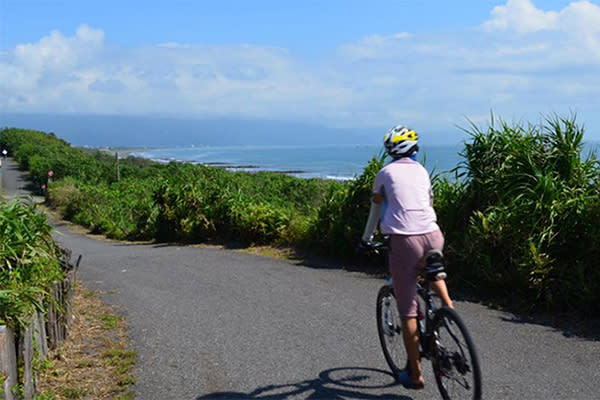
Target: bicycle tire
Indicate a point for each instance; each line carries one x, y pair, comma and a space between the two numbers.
454, 357
390, 331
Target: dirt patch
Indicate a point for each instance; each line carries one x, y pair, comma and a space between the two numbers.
95, 361
281, 253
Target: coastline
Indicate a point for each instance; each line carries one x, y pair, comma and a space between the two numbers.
125, 153
329, 162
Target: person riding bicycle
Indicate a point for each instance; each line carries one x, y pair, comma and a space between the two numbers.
411, 223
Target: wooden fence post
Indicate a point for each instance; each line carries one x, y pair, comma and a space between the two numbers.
28, 374
36, 339
8, 362
40, 337
51, 324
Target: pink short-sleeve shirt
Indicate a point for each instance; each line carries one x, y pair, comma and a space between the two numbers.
406, 188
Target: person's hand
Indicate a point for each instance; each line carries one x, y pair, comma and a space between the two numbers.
364, 247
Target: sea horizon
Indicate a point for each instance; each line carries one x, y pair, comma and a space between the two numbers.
340, 162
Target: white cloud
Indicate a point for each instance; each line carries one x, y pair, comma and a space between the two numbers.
58, 52
521, 16
373, 45
523, 60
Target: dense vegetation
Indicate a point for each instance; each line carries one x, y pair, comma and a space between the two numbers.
523, 223
29, 262
520, 218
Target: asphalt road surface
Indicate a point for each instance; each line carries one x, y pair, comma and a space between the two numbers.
210, 323
12, 180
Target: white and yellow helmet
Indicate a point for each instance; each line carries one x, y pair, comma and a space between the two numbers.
400, 140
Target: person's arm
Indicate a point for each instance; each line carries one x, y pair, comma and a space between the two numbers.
373, 219
430, 195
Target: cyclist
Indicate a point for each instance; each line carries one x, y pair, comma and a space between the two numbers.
409, 219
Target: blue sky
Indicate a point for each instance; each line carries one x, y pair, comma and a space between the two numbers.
348, 64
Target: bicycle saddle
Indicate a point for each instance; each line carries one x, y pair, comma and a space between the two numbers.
434, 265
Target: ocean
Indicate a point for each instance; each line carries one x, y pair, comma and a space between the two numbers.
341, 162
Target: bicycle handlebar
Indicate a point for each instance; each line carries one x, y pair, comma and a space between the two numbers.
372, 247
434, 259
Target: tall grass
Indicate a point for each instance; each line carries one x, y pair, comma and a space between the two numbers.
520, 219
340, 219
29, 261
523, 223
198, 203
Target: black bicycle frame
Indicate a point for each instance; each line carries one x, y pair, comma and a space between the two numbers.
425, 332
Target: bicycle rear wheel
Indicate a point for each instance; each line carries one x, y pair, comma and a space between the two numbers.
455, 362
389, 328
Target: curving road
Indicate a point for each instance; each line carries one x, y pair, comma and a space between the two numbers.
209, 323
12, 179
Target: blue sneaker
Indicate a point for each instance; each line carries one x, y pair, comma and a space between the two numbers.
404, 379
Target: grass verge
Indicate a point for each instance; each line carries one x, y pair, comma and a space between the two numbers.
95, 361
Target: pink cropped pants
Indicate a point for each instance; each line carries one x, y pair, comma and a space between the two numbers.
406, 259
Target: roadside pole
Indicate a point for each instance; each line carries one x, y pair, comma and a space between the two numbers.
118, 167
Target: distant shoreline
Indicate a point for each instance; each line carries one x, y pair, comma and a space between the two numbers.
330, 162
297, 161
254, 168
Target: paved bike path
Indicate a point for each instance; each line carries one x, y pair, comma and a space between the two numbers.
211, 323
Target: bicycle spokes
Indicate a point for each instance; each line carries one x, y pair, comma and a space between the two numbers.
390, 329
453, 366
458, 358
461, 364
455, 361
388, 320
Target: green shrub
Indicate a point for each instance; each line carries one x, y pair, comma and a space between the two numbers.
519, 218
524, 221
340, 220
29, 261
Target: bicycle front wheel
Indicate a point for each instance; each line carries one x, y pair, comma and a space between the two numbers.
455, 361
389, 328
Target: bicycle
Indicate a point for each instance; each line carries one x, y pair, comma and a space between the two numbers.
443, 336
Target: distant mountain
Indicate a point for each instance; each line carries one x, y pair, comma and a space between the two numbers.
148, 131
137, 131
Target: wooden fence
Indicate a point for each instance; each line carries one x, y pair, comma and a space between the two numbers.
46, 331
